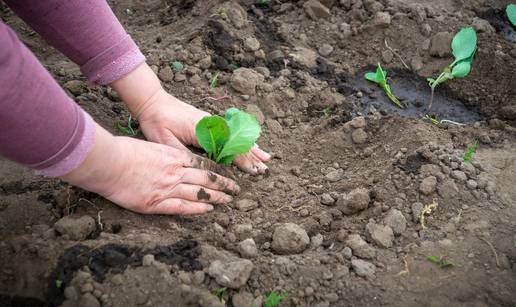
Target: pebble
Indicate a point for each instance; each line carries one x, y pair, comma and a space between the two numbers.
396, 220
232, 274
76, 87
251, 44
354, 201
459, 175
482, 25
358, 122
359, 136
242, 299
360, 247
345, 29
148, 260
440, 44
166, 74
347, 252
363, 268
428, 185
380, 234
325, 49
247, 248
315, 10
327, 200
471, 184
289, 238
76, 228
317, 240
335, 175
382, 19
246, 204
245, 80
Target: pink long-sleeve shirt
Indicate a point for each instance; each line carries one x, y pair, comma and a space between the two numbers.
40, 126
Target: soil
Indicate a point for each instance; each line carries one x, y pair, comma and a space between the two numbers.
333, 136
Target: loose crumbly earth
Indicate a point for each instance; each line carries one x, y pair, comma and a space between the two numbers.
346, 164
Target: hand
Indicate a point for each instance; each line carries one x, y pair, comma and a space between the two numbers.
165, 119
151, 178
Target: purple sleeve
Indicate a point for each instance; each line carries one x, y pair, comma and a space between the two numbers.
40, 126
87, 32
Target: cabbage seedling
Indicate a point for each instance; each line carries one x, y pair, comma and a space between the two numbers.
129, 129
511, 13
468, 154
464, 46
274, 298
223, 138
380, 77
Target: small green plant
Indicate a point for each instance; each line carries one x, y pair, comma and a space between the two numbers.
467, 156
219, 292
214, 81
223, 138
432, 119
262, 3
274, 298
326, 112
511, 13
176, 66
464, 46
440, 261
129, 129
59, 283
380, 77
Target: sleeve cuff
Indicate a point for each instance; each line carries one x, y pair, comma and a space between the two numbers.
114, 63
78, 154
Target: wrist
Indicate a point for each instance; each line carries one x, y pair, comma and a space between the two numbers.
138, 89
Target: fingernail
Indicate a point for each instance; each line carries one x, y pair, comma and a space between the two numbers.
229, 199
208, 208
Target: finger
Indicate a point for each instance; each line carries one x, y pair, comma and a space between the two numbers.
210, 180
177, 206
206, 164
260, 154
199, 194
171, 140
250, 164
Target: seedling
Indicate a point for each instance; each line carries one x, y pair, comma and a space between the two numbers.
214, 81
380, 77
219, 292
432, 119
274, 298
467, 156
326, 112
427, 210
59, 283
176, 66
129, 129
440, 261
511, 13
223, 138
464, 46
437, 122
262, 3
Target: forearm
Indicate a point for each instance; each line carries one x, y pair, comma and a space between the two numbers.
87, 32
41, 127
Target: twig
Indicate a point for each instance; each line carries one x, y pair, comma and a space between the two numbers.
99, 221
492, 249
451, 122
396, 54
225, 96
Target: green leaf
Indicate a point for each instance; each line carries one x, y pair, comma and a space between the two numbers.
434, 259
274, 298
462, 69
230, 112
244, 131
176, 66
371, 76
511, 13
381, 75
59, 283
464, 44
212, 133
227, 160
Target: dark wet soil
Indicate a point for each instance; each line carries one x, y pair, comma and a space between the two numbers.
498, 19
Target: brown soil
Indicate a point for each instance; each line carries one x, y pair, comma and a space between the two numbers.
307, 111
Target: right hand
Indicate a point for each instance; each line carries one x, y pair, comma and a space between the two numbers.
151, 178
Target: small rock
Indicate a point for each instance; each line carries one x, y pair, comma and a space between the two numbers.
363, 268
317, 240
396, 220
335, 175
289, 238
347, 252
179, 77
75, 87
148, 260
459, 175
325, 49
387, 56
251, 44
440, 44
448, 189
359, 136
246, 204
88, 300
327, 200
428, 185
426, 29
245, 80
353, 202
417, 210
242, 299
382, 19
205, 62
471, 184
232, 274
345, 29
315, 9
360, 247
276, 55
166, 74
305, 56
381, 235
482, 25
247, 248
358, 122
76, 228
